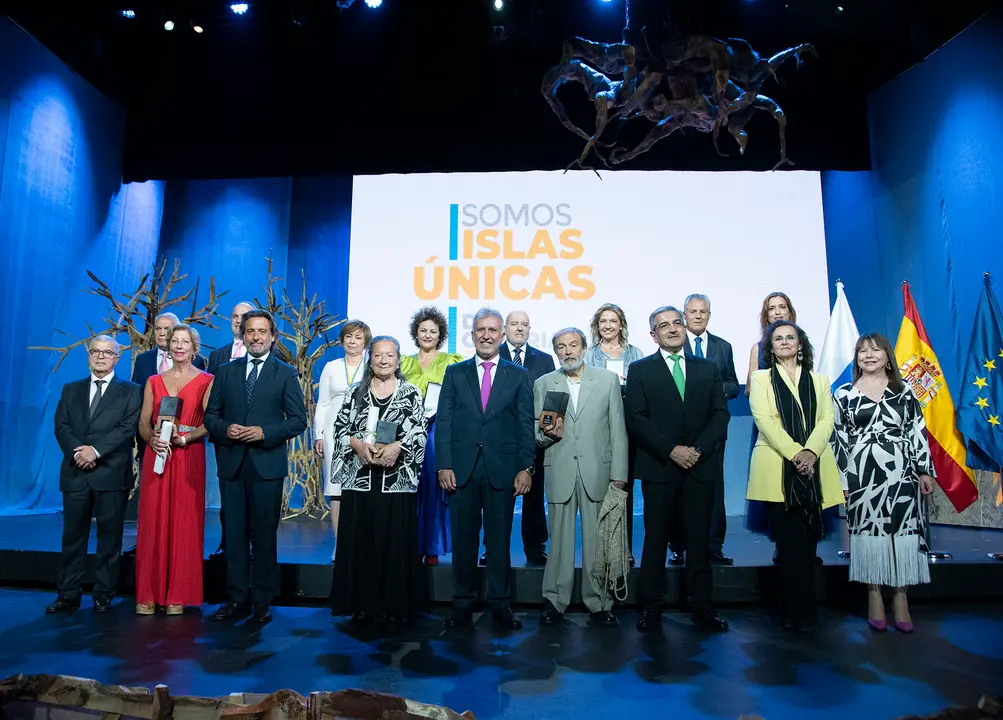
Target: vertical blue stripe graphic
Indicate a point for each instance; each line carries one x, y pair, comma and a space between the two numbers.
454, 232
451, 342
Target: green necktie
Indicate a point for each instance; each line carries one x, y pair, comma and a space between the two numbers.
677, 375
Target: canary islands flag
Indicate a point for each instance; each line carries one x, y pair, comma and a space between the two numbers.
980, 409
921, 369
836, 361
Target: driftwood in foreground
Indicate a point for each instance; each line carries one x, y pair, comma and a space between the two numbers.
60, 697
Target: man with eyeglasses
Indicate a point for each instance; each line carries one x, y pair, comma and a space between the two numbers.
677, 414
95, 422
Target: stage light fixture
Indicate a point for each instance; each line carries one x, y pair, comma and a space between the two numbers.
839, 8
169, 25
239, 8
129, 14
499, 4
198, 29
374, 3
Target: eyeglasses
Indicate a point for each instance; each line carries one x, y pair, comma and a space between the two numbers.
102, 353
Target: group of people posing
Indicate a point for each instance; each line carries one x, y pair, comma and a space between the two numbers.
421, 451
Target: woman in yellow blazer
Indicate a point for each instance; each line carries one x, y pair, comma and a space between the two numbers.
793, 470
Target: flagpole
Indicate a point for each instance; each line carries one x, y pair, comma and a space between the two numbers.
929, 533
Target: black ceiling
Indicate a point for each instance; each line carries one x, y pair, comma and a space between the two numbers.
299, 87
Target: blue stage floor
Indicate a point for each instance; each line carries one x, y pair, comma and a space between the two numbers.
575, 671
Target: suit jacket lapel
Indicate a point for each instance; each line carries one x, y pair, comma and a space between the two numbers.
475, 384
84, 398
265, 374
104, 402
668, 379
501, 376
585, 391
240, 366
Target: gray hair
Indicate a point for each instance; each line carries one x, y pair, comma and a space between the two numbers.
658, 311
246, 303
367, 372
486, 312
105, 338
167, 315
565, 331
695, 296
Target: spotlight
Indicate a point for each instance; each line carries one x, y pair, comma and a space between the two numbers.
499, 4
839, 8
129, 14
374, 3
198, 29
169, 25
239, 8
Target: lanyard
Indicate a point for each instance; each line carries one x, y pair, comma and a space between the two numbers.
351, 380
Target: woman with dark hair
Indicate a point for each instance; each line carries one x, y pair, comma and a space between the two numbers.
425, 370
610, 350
884, 456
793, 470
335, 380
377, 570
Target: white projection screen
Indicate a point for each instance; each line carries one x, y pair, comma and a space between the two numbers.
559, 245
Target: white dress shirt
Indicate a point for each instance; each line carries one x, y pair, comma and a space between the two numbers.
703, 343
574, 389
250, 365
94, 388
480, 368
671, 363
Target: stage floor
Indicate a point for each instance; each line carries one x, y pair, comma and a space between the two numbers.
573, 671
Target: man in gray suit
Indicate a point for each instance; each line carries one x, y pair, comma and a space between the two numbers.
586, 450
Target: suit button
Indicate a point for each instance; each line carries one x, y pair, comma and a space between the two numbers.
575, 457
480, 444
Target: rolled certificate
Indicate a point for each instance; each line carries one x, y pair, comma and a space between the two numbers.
166, 429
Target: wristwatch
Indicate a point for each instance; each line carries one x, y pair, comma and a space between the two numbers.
184, 440
531, 470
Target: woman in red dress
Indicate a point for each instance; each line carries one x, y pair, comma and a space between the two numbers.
171, 527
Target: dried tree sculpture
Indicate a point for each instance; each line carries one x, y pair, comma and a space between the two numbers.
697, 82
304, 336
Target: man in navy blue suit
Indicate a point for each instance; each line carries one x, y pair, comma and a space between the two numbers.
157, 360
485, 451
702, 344
255, 406
517, 349
233, 350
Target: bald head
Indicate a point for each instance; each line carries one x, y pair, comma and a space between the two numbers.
517, 328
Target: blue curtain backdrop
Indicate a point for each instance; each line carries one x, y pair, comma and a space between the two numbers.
63, 209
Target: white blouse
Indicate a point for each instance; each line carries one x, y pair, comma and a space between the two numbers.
335, 379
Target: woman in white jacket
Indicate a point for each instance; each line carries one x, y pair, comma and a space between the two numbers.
335, 379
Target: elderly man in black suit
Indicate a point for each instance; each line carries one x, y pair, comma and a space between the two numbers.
233, 350
96, 420
676, 411
255, 406
517, 349
485, 450
702, 344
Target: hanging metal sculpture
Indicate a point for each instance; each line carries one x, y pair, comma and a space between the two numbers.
698, 82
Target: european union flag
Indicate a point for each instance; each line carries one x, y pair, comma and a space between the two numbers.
980, 409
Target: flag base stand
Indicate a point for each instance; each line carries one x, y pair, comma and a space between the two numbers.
940, 556
998, 557
931, 553
845, 554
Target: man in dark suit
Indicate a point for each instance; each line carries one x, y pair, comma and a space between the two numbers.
96, 420
701, 344
677, 414
517, 349
233, 350
485, 451
157, 360
255, 406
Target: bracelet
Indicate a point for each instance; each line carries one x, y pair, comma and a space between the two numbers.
184, 440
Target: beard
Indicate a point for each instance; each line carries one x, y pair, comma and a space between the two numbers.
572, 364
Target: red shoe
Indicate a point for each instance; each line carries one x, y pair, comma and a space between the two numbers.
431, 559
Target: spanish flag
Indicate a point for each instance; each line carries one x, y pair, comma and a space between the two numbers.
921, 369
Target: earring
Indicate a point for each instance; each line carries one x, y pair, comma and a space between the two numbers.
888, 366
800, 355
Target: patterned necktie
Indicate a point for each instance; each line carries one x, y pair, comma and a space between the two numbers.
163, 361
677, 375
486, 385
251, 379
518, 356
699, 350
96, 400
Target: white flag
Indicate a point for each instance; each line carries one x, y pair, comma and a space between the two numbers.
836, 361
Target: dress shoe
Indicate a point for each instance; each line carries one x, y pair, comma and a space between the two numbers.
219, 553
505, 619
677, 558
232, 611
460, 618
102, 605
603, 618
537, 559
719, 558
819, 560
62, 605
175, 610
145, 608
649, 621
261, 614
551, 615
710, 620
483, 562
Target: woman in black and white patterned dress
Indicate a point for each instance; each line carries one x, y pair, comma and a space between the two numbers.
883, 454
377, 569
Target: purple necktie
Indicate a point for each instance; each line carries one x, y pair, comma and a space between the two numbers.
486, 385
